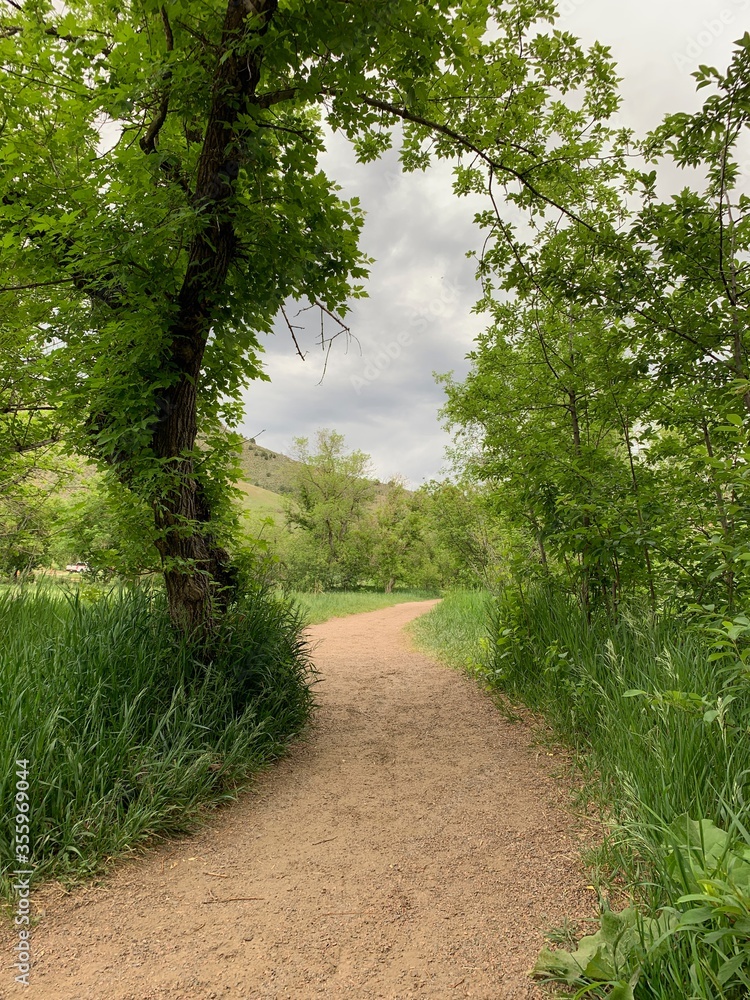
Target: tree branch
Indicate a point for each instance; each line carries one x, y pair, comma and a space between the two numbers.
291, 330
465, 143
25, 409
35, 284
21, 449
148, 141
275, 97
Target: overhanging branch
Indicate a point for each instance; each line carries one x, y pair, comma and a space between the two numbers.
465, 143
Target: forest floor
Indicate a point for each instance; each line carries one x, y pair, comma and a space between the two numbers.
414, 844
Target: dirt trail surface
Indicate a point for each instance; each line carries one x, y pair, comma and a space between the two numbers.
414, 845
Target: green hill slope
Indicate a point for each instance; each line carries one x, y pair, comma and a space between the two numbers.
259, 503
266, 469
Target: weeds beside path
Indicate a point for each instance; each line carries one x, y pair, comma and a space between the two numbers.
413, 846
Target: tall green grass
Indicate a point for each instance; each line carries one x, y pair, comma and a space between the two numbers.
457, 629
639, 697
130, 733
662, 734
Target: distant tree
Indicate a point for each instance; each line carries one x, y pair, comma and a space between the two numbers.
399, 551
29, 431
330, 500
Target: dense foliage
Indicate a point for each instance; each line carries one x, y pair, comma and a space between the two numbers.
607, 406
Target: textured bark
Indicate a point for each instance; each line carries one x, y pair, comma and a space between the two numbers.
197, 572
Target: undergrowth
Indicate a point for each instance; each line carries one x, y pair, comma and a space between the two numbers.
129, 732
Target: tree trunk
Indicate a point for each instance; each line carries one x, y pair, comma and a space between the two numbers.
721, 510
197, 572
585, 591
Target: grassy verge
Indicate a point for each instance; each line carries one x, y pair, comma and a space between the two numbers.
660, 727
320, 607
457, 630
128, 732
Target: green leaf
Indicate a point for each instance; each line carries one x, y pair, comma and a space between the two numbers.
623, 991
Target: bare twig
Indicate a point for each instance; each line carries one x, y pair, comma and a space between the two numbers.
236, 899
291, 330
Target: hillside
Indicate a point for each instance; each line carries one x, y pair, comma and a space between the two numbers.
266, 469
268, 477
259, 503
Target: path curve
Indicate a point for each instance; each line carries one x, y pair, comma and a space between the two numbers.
414, 845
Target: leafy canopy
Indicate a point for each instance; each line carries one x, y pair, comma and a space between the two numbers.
107, 111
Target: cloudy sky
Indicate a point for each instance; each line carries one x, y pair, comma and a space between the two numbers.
381, 393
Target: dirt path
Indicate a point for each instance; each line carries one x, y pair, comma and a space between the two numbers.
414, 846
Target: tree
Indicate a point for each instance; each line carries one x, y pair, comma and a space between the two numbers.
675, 282
161, 198
541, 393
330, 503
399, 548
610, 396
